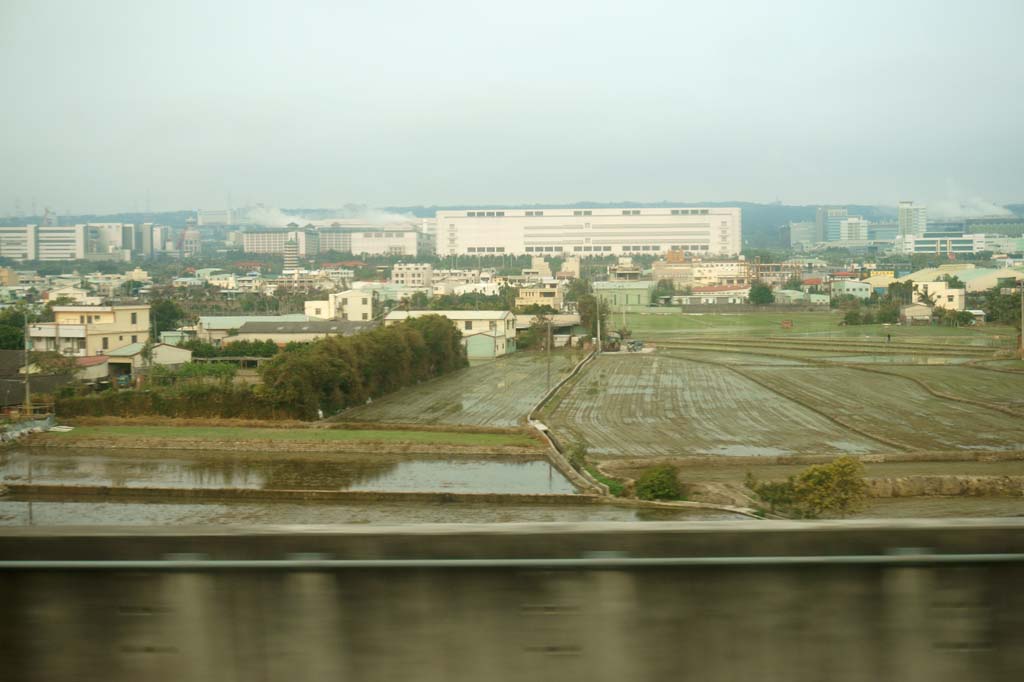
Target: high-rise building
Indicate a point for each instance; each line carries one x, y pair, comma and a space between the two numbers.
803, 233
853, 228
142, 240
829, 223
913, 219
291, 255
598, 231
191, 242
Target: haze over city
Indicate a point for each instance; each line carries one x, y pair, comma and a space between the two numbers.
115, 106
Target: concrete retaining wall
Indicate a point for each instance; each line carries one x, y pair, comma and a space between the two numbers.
786, 601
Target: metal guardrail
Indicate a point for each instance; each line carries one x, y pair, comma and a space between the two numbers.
306, 562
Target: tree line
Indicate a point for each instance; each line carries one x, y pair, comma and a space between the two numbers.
302, 381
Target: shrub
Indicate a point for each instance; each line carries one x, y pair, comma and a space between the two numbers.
833, 489
659, 483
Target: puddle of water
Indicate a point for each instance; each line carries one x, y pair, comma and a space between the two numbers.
14, 512
220, 470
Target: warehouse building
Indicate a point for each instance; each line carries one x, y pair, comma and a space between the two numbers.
598, 231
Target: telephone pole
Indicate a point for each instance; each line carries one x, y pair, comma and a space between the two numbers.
28, 389
549, 353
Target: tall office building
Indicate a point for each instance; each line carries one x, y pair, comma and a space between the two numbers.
913, 220
291, 255
853, 228
829, 223
803, 233
604, 231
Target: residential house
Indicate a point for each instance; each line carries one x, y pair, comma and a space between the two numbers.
715, 295
129, 359
861, 290
547, 293
941, 295
915, 313
624, 296
214, 328
354, 304
496, 327
91, 330
74, 294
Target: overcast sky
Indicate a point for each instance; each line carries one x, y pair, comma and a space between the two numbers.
395, 103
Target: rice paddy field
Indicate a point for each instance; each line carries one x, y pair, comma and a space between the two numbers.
724, 384
497, 393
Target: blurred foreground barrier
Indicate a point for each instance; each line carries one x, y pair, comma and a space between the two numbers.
653, 601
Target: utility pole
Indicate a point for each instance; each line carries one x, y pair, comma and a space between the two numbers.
597, 309
1022, 320
549, 353
28, 390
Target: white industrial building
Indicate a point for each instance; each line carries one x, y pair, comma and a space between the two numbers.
604, 231
43, 242
370, 240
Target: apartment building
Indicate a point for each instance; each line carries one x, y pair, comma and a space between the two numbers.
485, 333
81, 330
413, 274
357, 305
598, 231
545, 293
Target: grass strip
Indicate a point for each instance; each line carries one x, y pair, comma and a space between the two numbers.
299, 435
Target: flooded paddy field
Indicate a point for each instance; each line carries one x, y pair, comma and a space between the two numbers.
22, 512
895, 408
998, 388
654, 405
495, 393
262, 471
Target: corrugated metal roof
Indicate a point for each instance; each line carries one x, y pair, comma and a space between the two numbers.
307, 327
224, 322
451, 314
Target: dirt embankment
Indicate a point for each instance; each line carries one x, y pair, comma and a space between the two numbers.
290, 424
63, 440
736, 494
961, 486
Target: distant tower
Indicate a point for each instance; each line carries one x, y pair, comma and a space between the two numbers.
913, 219
291, 255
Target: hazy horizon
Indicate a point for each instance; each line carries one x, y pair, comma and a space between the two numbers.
117, 106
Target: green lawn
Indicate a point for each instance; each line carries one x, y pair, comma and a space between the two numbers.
309, 435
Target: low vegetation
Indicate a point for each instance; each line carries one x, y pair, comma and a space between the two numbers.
659, 483
834, 489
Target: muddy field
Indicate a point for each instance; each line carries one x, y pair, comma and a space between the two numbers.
998, 388
895, 408
498, 393
768, 396
656, 405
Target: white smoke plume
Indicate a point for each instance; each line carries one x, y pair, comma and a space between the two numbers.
268, 216
963, 204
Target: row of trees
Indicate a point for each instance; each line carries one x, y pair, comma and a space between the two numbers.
341, 371
303, 381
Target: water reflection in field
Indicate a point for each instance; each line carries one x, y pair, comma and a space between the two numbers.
160, 469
